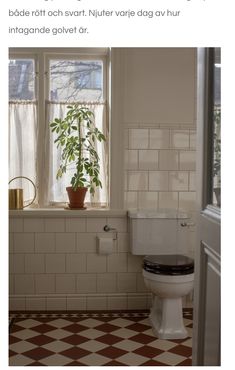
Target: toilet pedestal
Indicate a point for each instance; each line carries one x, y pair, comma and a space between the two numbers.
167, 319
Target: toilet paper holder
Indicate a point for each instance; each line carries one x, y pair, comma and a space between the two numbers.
107, 228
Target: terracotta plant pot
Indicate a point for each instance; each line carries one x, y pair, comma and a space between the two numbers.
76, 198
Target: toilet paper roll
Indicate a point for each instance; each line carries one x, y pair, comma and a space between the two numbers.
105, 245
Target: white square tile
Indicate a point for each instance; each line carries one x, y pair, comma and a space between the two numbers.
65, 284
134, 263
106, 283
54, 225
148, 159
168, 199
124, 333
11, 284
16, 225
19, 360
117, 262
159, 139
25, 334
17, 304
96, 224
65, 242
123, 242
192, 181
57, 333
128, 345
117, 303
34, 263
188, 160
121, 322
131, 199
137, 302
86, 283
158, 180
22, 346
168, 160
57, 304
24, 284
97, 303
138, 180
180, 138
55, 263
138, 138
86, 242
45, 284
96, 263
23, 242
126, 282
94, 360
169, 358
91, 323
126, 138
76, 262
11, 242
187, 200
147, 199
192, 139
33, 225
178, 181
162, 344
35, 303
118, 223
44, 242
16, 264
131, 160
141, 286
93, 345
132, 359
76, 303
56, 346
55, 360
76, 224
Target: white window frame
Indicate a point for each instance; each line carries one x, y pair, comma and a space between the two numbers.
42, 57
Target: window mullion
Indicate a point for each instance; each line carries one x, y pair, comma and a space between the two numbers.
42, 166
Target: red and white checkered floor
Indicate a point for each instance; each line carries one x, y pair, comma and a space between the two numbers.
94, 339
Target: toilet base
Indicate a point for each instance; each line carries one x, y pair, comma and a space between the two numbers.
166, 317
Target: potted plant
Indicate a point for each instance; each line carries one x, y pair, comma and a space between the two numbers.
76, 136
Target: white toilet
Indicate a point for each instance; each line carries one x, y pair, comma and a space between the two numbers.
160, 236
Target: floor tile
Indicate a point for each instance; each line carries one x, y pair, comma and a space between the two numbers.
132, 359
169, 358
111, 338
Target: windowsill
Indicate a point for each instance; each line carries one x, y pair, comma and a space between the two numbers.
60, 212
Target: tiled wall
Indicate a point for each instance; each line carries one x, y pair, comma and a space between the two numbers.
54, 265
160, 167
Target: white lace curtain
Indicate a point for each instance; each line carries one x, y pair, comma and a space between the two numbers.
22, 144
38, 159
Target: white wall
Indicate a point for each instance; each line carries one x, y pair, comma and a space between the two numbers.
53, 260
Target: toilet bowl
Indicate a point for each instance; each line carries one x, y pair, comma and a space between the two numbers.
169, 278
168, 273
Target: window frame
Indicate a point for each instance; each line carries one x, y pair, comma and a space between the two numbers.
41, 57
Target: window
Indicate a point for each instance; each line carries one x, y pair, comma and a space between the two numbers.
41, 85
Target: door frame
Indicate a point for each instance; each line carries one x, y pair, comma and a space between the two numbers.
207, 214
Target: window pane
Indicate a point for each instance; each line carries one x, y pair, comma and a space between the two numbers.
217, 128
21, 79
76, 80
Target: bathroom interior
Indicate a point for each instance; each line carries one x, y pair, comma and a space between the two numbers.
126, 280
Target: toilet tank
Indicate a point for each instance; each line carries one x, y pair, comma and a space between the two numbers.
157, 231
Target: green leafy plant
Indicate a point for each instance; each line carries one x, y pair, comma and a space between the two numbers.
77, 135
